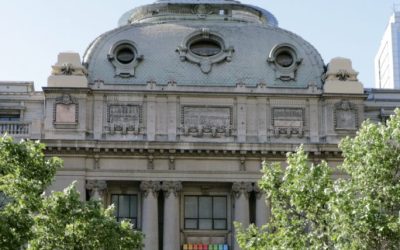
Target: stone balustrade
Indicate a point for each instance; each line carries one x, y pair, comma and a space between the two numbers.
14, 128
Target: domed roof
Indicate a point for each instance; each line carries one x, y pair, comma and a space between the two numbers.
202, 43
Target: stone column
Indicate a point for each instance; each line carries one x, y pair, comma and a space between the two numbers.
97, 189
240, 191
150, 213
263, 209
171, 215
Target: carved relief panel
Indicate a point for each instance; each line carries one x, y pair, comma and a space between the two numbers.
212, 121
66, 109
288, 122
124, 119
345, 116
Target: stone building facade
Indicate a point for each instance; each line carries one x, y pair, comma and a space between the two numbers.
170, 115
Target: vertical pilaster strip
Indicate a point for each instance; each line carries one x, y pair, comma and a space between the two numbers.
314, 120
262, 119
98, 112
172, 126
241, 119
151, 118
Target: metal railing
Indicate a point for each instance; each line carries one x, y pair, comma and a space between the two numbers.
14, 128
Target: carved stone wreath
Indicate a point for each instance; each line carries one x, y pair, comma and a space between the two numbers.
205, 62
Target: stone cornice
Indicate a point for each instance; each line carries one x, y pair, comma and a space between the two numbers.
183, 148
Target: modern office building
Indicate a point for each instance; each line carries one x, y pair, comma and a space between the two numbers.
387, 60
170, 115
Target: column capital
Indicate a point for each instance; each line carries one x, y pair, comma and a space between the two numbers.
97, 188
171, 187
239, 188
150, 186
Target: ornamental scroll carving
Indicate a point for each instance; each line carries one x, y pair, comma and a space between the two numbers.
345, 116
150, 186
171, 187
288, 122
65, 110
241, 188
124, 119
206, 121
97, 188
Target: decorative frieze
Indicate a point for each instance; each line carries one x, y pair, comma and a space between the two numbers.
124, 119
150, 186
202, 121
171, 187
346, 117
288, 122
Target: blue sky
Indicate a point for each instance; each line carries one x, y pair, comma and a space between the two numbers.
34, 32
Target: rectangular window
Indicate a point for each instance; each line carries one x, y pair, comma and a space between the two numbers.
206, 212
9, 117
125, 207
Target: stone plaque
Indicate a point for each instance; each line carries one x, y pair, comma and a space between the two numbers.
65, 113
198, 120
288, 121
345, 116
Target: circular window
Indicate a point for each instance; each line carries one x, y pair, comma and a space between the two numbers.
205, 48
284, 59
125, 54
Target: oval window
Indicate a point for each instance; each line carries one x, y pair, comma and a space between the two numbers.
284, 59
205, 48
125, 54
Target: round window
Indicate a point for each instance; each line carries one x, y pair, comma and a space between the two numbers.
205, 48
284, 59
125, 54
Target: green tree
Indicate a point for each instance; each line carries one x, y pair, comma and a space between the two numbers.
28, 219
298, 194
366, 206
24, 175
65, 222
358, 211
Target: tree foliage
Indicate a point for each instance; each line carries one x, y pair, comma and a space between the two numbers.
24, 174
358, 208
28, 219
65, 222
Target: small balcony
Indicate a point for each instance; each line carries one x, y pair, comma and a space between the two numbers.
15, 128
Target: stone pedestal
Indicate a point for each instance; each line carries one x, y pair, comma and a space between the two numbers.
171, 215
150, 214
241, 192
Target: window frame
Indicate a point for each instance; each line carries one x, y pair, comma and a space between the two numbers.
116, 212
212, 218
